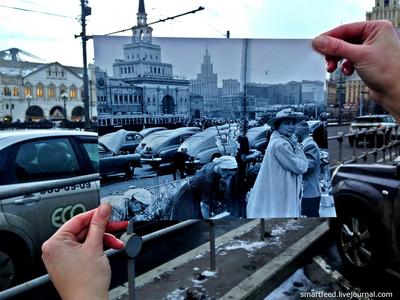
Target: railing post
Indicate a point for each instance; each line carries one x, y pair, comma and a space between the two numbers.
133, 245
365, 132
262, 229
384, 144
211, 226
340, 140
354, 146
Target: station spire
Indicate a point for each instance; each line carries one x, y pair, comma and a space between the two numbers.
141, 32
141, 15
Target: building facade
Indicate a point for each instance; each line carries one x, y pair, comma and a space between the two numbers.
143, 88
37, 92
385, 9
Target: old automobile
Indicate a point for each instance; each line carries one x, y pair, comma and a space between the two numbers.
364, 125
159, 147
220, 140
145, 132
46, 177
367, 227
114, 156
121, 141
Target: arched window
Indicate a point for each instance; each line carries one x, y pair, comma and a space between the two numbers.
28, 91
6, 91
51, 91
73, 92
15, 91
40, 90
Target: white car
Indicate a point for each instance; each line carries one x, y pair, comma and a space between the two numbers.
46, 177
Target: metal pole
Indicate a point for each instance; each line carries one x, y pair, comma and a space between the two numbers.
262, 229
85, 11
211, 226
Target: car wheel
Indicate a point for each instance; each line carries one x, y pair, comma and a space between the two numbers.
130, 169
358, 242
14, 266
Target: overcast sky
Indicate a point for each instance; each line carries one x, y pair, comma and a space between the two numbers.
269, 60
52, 37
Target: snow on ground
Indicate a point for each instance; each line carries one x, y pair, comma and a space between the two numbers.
292, 287
178, 294
291, 225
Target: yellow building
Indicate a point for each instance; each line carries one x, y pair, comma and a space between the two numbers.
386, 10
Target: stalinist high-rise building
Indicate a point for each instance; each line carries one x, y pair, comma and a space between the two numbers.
386, 9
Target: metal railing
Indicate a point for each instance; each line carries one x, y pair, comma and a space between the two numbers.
385, 141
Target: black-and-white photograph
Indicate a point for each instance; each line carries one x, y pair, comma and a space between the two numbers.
193, 128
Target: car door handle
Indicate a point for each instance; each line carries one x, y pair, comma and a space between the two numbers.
26, 200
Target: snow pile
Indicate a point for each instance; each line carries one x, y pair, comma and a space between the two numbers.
291, 288
291, 225
246, 245
178, 294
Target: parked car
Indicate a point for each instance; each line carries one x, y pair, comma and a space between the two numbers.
121, 141
112, 163
145, 132
370, 122
204, 146
159, 147
259, 137
36, 193
367, 227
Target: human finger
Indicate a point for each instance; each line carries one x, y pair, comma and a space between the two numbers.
75, 225
111, 241
349, 32
347, 67
334, 47
331, 63
116, 226
98, 226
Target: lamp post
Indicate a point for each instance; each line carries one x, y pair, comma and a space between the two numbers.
64, 98
29, 99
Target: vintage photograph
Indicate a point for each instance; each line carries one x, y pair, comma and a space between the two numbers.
211, 128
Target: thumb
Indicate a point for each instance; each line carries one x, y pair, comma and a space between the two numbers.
98, 226
331, 46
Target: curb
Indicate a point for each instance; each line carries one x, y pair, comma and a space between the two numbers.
180, 260
267, 278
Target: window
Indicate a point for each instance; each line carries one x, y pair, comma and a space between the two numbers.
39, 91
28, 91
92, 149
7, 91
49, 72
135, 99
386, 3
73, 92
51, 91
15, 91
36, 161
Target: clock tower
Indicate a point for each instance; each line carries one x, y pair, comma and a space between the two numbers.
141, 32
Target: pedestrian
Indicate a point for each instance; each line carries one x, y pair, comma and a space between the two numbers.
278, 187
240, 181
320, 133
179, 159
207, 186
311, 178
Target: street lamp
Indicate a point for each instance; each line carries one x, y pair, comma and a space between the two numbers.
64, 98
29, 99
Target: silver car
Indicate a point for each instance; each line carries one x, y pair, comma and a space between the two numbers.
46, 177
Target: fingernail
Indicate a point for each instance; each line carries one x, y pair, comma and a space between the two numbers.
321, 41
104, 210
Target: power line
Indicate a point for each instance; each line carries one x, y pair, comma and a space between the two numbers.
37, 11
159, 21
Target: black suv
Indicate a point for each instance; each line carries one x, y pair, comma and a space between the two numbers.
367, 228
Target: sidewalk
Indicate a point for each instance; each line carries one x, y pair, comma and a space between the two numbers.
246, 267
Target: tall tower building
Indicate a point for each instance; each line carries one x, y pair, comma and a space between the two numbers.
206, 85
386, 9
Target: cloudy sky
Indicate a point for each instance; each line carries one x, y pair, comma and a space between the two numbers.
51, 36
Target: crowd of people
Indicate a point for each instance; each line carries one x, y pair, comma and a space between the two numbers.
75, 252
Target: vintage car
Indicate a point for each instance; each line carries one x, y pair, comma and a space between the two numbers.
145, 132
386, 124
121, 141
367, 227
259, 137
43, 183
160, 146
115, 156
